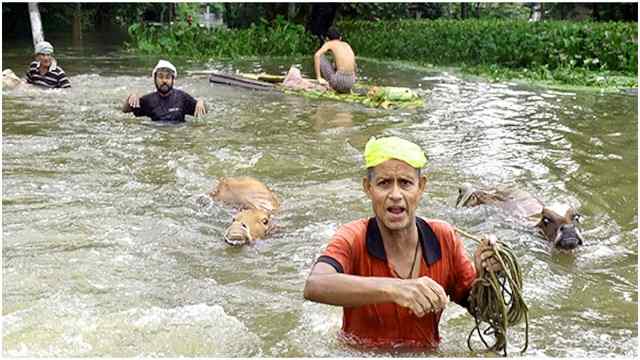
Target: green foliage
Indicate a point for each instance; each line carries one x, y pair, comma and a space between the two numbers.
584, 53
279, 38
608, 46
242, 15
60, 15
184, 10
504, 11
380, 97
542, 74
374, 11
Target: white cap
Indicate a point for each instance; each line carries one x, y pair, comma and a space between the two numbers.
164, 64
44, 47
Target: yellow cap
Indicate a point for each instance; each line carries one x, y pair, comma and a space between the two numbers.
380, 150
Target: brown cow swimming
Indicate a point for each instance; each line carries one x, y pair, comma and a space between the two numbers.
257, 204
557, 223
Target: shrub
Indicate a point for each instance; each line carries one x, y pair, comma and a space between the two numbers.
515, 44
279, 38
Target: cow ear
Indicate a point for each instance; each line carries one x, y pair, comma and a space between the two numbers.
535, 219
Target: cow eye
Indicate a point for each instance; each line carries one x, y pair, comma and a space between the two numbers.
265, 221
546, 220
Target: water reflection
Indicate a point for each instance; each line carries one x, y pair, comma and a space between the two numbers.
327, 117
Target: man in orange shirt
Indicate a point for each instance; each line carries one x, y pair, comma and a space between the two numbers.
393, 274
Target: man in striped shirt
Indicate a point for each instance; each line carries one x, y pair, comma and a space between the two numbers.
44, 71
393, 273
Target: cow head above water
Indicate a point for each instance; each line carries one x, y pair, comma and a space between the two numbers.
9, 79
559, 224
257, 205
248, 226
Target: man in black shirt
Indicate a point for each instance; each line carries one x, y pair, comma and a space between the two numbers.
167, 103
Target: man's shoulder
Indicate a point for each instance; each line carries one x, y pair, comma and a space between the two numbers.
358, 225
342, 43
441, 228
182, 93
150, 96
149, 101
56, 70
335, 43
353, 230
352, 235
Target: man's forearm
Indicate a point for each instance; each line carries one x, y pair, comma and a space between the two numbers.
348, 290
316, 66
126, 107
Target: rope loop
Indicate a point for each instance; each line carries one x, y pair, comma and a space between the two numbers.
496, 299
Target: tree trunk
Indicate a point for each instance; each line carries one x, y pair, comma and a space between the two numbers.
478, 10
36, 24
77, 25
464, 10
447, 10
564, 11
595, 12
536, 12
321, 19
630, 11
292, 11
275, 9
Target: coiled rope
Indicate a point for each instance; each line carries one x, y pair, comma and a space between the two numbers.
496, 299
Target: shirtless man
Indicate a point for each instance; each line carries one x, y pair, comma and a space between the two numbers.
342, 76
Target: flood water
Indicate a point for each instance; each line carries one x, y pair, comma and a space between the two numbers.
107, 253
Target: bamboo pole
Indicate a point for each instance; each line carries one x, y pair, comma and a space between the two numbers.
36, 24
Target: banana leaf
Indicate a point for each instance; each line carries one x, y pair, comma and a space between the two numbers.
372, 96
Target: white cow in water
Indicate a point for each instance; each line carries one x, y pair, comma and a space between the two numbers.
10, 80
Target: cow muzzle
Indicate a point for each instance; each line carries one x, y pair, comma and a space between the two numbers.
237, 234
568, 237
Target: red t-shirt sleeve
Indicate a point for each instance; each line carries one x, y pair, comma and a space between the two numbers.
340, 250
463, 271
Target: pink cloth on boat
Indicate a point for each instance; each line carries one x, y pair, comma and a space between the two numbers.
295, 81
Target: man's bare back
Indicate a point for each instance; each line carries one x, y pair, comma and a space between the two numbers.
344, 57
341, 75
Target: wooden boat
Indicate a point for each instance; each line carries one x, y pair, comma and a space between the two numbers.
372, 96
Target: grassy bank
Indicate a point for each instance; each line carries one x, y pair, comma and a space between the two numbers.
601, 55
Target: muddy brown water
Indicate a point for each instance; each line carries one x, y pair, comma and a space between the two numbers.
106, 253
